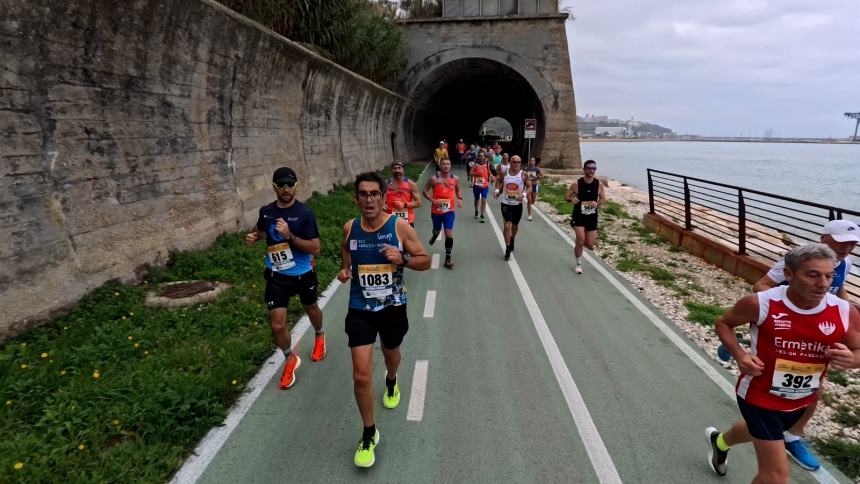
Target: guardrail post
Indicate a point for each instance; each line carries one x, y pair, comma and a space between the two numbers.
650, 193
742, 224
688, 221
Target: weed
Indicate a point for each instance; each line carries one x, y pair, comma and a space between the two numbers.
844, 455
704, 314
847, 416
837, 377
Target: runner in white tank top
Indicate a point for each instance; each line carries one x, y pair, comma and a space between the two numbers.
512, 186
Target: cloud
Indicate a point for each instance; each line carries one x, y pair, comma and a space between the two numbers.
719, 67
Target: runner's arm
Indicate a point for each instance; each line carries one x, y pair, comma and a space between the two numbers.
416, 198
527, 182
457, 191
571, 192
419, 260
345, 261
601, 195
428, 190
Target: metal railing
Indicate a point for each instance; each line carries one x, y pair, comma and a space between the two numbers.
754, 223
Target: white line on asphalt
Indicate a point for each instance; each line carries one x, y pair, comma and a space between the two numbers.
429, 304
205, 451
821, 475
419, 390
597, 453
434, 262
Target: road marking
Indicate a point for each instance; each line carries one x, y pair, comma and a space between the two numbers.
821, 475
434, 262
429, 304
204, 453
597, 452
419, 390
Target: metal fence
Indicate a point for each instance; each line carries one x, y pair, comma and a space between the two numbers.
754, 223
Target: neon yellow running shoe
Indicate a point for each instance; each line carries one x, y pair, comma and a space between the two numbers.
364, 455
391, 401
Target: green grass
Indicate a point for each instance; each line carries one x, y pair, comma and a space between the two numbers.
844, 455
116, 391
704, 314
614, 209
629, 263
837, 377
553, 193
847, 416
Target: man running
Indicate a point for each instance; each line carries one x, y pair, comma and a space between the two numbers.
496, 162
512, 186
506, 164
535, 176
442, 189
461, 151
586, 194
440, 153
376, 248
401, 195
292, 239
480, 186
797, 332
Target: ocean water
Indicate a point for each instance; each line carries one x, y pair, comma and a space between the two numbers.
823, 173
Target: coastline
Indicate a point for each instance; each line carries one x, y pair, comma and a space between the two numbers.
823, 141
693, 281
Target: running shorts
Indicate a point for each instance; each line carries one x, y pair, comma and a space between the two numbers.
281, 287
767, 424
443, 219
587, 221
512, 213
480, 192
390, 323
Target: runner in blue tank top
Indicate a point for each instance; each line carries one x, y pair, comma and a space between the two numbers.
376, 248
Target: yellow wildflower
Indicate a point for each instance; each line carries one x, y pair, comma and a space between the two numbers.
19, 466
23, 366
234, 382
44, 355
137, 345
63, 372
8, 402
130, 338
115, 422
82, 447
96, 375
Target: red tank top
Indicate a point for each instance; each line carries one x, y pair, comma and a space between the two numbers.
443, 189
481, 175
790, 342
402, 193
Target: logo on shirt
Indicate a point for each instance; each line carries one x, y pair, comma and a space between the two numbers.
384, 236
779, 323
292, 219
827, 327
353, 244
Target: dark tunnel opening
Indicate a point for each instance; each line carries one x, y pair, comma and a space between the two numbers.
455, 100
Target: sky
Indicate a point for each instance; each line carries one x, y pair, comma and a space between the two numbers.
719, 67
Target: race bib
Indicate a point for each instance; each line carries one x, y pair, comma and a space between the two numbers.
479, 180
376, 280
402, 214
444, 205
589, 210
512, 195
793, 380
280, 256
532, 175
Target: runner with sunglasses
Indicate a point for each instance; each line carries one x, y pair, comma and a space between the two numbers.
292, 239
587, 195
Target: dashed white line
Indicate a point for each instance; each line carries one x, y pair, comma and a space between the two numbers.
429, 304
419, 389
434, 262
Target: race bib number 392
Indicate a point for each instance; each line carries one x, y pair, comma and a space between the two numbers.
793, 380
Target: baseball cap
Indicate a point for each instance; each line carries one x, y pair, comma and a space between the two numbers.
441, 142
284, 174
842, 231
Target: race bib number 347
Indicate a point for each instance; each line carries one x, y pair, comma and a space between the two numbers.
793, 380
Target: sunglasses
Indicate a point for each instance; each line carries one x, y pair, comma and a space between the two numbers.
590, 168
287, 184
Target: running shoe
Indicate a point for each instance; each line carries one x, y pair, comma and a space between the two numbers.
319, 347
482, 218
508, 253
393, 400
530, 218
449, 263
433, 239
716, 458
288, 378
578, 269
364, 455
800, 453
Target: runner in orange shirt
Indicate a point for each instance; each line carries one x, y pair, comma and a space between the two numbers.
441, 189
480, 185
401, 196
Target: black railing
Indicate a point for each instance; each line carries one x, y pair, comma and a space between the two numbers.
755, 223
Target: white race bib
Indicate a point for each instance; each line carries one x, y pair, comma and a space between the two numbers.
402, 214
376, 280
512, 195
444, 205
793, 380
589, 210
280, 256
479, 180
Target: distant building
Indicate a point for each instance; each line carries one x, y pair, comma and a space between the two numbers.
610, 131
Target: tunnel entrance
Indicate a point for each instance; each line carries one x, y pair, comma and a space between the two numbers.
456, 99
496, 129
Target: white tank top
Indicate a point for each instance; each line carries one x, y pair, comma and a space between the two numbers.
513, 185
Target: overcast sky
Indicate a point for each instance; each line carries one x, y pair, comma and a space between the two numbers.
719, 67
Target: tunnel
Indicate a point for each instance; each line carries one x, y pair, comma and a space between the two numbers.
455, 99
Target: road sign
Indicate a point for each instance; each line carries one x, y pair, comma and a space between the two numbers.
531, 128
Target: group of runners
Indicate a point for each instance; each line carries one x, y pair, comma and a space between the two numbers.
799, 325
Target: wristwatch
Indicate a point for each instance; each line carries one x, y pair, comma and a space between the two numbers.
291, 238
405, 259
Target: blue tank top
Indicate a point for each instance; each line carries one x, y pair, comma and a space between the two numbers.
376, 282
838, 276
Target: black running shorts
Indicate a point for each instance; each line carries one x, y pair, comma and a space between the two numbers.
587, 221
390, 323
512, 213
766, 424
280, 288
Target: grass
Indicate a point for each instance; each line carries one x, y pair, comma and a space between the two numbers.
837, 377
844, 455
847, 416
630, 263
704, 314
116, 391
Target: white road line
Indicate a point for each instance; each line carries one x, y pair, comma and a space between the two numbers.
419, 389
429, 304
597, 452
206, 450
821, 475
434, 262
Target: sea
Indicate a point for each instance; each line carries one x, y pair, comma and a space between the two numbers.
823, 173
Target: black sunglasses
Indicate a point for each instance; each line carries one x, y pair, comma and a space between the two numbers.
286, 184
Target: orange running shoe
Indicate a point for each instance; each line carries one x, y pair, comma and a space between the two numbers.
288, 378
319, 347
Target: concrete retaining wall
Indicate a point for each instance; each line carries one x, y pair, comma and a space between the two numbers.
133, 129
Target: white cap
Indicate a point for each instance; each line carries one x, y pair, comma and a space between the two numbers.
842, 231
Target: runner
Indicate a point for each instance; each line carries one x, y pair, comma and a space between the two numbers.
515, 185
480, 176
461, 151
292, 239
535, 176
506, 164
376, 248
401, 195
586, 194
440, 153
797, 332
441, 189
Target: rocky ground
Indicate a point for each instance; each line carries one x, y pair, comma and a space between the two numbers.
696, 281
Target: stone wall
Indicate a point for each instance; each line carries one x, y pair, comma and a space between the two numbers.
132, 129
